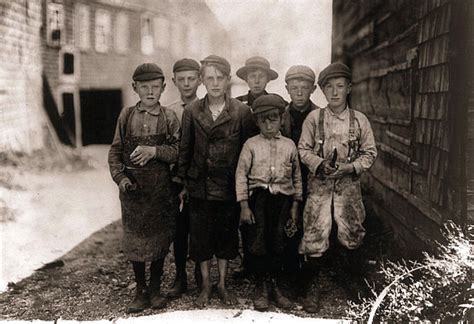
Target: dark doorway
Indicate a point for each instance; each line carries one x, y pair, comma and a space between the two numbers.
99, 112
68, 118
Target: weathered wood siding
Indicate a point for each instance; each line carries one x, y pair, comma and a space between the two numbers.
406, 58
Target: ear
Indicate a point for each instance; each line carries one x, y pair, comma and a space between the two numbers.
134, 86
287, 90
349, 87
314, 88
174, 81
164, 86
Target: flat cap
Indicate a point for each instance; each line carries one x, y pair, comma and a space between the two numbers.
334, 70
268, 102
253, 63
148, 71
186, 64
218, 62
300, 72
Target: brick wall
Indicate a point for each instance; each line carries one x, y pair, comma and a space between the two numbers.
22, 121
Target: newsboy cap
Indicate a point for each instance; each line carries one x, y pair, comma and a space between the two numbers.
334, 70
253, 63
268, 102
300, 72
186, 64
219, 62
148, 71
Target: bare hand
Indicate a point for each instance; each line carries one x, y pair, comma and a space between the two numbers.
143, 154
183, 195
246, 216
294, 212
125, 184
343, 169
327, 169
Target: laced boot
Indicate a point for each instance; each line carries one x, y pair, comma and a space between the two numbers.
140, 302
311, 288
260, 300
157, 300
277, 295
197, 275
353, 276
180, 285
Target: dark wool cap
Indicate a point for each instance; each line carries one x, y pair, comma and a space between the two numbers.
219, 62
334, 70
148, 71
186, 64
256, 62
268, 102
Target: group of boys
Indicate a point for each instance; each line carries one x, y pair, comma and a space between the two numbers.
201, 167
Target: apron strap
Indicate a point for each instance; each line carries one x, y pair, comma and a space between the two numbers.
322, 136
353, 138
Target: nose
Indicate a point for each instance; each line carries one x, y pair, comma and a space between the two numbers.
299, 92
257, 79
334, 91
150, 90
215, 83
186, 82
268, 125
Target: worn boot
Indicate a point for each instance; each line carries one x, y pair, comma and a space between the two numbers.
197, 275
353, 277
140, 302
157, 299
280, 300
311, 288
260, 299
180, 285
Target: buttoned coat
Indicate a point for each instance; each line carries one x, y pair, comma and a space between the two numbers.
209, 150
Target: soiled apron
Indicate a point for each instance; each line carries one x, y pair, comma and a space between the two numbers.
148, 212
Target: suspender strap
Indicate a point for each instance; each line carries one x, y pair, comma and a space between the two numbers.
322, 136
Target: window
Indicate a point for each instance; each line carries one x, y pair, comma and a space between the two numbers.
122, 33
55, 24
102, 30
147, 36
82, 26
162, 32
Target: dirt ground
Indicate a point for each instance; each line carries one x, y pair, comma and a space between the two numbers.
94, 281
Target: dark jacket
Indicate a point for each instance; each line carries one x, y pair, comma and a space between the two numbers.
209, 150
288, 126
248, 98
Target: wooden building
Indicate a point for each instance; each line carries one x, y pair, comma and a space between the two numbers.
90, 49
413, 76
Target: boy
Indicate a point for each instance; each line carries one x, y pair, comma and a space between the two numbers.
300, 85
145, 144
186, 79
268, 187
334, 190
214, 130
257, 73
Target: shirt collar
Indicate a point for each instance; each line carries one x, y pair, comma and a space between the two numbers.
155, 110
342, 115
181, 102
305, 109
277, 136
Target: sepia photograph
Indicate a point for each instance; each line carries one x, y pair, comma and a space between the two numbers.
238, 161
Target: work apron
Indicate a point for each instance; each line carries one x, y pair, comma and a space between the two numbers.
148, 212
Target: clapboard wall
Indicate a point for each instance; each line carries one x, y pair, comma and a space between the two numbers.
411, 77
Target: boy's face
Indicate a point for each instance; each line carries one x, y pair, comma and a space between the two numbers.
257, 81
215, 81
187, 83
269, 123
300, 91
149, 91
336, 91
